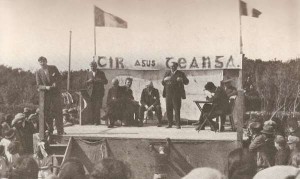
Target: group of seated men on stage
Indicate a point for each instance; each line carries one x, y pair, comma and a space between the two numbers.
122, 106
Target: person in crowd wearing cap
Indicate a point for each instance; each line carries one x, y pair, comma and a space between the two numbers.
34, 120
294, 145
264, 148
131, 107
219, 107
254, 129
283, 151
173, 82
150, 102
293, 127
95, 82
114, 104
26, 112
25, 130
49, 78
4, 167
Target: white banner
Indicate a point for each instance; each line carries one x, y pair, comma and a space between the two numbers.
185, 63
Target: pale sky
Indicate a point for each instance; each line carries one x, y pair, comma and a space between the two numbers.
156, 29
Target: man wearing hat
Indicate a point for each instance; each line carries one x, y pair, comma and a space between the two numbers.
173, 82
294, 145
25, 131
230, 90
95, 82
27, 112
219, 106
263, 146
114, 104
48, 78
150, 102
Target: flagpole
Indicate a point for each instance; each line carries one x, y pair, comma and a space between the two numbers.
95, 42
240, 19
70, 42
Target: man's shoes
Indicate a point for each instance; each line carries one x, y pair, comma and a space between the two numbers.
169, 126
222, 129
110, 126
158, 125
178, 127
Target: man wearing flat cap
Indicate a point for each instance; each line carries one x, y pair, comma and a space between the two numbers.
49, 78
25, 131
95, 82
219, 106
173, 82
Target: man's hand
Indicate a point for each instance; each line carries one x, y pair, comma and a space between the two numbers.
48, 88
53, 85
179, 79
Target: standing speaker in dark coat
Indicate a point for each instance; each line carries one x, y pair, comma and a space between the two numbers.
173, 82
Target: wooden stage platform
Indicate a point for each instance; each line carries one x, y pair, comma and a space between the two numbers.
187, 132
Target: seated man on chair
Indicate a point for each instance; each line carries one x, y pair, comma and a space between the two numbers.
131, 107
219, 106
114, 104
150, 102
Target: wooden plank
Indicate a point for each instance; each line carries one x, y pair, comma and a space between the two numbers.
41, 113
68, 150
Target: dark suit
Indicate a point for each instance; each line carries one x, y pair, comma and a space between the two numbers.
131, 107
96, 93
114, 104
150, 97
174, 92
219, 107
26, 137
53, 100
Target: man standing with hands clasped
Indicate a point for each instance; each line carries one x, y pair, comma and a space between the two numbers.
96, 80
173, 82
48, 77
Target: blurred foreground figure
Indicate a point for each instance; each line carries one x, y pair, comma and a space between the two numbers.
109, 168
24, 168
278, 172
49, 78
72, 168
204, 173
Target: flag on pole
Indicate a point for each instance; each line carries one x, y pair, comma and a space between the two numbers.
244, 9
104, 19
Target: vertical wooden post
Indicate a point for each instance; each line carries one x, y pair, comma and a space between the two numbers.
41, 113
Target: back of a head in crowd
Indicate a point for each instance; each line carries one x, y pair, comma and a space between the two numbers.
72, 168
292, 123
278, 172
110, 169
204, 173
14, 147
24, 168
241, 164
